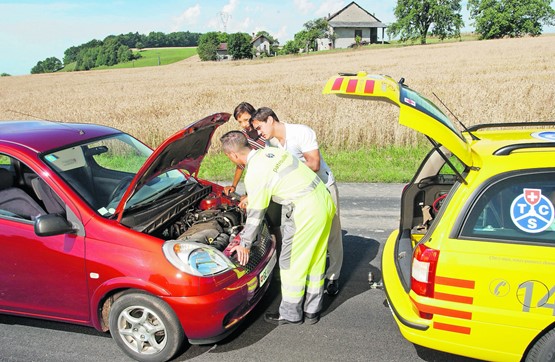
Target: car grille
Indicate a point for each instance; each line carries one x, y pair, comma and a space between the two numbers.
258, 250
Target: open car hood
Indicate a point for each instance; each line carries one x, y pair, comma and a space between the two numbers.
415, 110
184, 150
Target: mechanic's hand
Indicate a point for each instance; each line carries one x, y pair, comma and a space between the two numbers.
242, 254
229, 189
244, 202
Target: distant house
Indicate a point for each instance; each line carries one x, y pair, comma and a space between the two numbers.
261, 44
350, 22
221, 52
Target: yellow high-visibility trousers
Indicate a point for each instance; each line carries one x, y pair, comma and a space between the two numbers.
305, 230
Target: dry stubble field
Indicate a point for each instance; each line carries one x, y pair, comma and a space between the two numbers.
480, 81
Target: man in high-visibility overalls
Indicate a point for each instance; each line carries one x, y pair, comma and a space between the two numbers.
308, 209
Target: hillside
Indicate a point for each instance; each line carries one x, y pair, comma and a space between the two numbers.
480, 81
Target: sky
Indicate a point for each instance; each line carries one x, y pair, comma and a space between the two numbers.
33, 30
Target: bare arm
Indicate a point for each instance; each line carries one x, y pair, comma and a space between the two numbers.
312, 159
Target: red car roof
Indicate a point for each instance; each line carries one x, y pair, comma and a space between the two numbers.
43, 136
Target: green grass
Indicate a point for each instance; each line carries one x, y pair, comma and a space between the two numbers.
155, 57
149, 58
390, 164
69, 67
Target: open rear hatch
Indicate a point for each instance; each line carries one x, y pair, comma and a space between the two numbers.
419, 114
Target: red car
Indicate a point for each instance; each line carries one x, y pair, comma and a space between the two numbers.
97, 229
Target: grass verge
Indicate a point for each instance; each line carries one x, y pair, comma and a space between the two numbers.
389, 164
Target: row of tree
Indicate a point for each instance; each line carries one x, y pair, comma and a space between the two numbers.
239, 45
139, 41
416, 19
493, 18
109, 52
114, 49
49, 65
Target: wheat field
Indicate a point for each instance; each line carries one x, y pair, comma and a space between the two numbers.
480, 81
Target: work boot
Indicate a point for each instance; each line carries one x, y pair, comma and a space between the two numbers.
332, 288
275, 318
311, 318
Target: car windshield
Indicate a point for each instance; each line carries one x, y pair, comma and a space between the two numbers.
101, 171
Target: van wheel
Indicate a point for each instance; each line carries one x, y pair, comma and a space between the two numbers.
145, 327
544, 349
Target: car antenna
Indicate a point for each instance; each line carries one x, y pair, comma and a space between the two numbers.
30, 115
458, 120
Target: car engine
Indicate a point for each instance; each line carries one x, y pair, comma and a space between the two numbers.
198, 215
214, 226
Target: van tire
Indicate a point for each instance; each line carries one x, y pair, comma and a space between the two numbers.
544, 349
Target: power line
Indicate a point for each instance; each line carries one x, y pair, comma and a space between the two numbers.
224, 17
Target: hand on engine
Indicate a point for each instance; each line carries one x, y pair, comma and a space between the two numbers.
244, 202
242, 254
229, 189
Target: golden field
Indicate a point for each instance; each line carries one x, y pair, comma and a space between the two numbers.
480, 81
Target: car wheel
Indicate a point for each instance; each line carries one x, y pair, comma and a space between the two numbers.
145, 327
544, 349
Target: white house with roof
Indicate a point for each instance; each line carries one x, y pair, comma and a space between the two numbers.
261, 44
350, 22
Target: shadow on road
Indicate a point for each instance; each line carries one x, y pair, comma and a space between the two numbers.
358, 251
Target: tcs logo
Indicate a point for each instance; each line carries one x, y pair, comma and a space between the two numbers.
531, 211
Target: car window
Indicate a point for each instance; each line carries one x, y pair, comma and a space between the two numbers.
121, 154
4, 161
18, 198
457, 164
517, 208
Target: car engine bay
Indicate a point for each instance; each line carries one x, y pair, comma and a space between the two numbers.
198, 215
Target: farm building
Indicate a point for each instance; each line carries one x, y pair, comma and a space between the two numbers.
261, 44
221, 52
347, 24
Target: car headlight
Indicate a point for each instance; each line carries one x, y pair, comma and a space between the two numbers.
196, 259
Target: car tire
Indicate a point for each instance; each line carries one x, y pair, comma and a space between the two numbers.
145, 327
544, 349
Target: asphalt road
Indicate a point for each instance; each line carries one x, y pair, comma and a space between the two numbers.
356, 325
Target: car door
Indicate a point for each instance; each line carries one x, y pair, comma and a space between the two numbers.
499, 260
41, 276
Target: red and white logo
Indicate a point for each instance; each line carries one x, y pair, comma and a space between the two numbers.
532, 196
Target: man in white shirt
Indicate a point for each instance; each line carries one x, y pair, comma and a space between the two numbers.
300, 140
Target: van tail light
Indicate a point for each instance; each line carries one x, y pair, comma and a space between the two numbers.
423, 273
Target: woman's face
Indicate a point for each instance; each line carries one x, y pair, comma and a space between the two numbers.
243, 120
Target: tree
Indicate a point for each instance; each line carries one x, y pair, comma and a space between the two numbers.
207, 45
290, 47
71, 54
49, 65
313, 29
513, 18
415, 19
239, 46
267, 35
5, 75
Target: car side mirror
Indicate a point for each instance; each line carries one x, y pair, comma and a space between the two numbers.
52, 224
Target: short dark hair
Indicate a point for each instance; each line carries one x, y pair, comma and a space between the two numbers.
262, 115
243, 107
233, 141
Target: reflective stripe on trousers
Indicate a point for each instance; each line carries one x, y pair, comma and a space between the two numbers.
303, 255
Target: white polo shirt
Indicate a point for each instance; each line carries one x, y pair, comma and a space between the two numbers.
298, 140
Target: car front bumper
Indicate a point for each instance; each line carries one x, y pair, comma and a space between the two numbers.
212, 317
